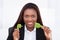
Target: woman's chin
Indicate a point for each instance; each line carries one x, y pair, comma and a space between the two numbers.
30, 26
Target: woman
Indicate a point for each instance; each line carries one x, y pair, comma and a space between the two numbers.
29, 15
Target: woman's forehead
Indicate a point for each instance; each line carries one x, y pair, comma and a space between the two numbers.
30, 11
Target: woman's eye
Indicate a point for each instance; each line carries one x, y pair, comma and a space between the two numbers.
29, 16
33, 16
26, 16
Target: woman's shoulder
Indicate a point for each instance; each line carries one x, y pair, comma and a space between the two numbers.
10, 30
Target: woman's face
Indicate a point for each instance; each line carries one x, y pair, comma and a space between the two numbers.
30, 17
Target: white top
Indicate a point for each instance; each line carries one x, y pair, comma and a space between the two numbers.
30, 35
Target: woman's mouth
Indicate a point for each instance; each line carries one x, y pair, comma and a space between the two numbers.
30, 24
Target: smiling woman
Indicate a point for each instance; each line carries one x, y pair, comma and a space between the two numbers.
29, 15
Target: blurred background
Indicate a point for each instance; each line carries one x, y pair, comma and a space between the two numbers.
49, 9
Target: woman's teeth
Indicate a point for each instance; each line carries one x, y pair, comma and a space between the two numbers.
30, 23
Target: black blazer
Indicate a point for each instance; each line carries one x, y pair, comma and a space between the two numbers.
39, 34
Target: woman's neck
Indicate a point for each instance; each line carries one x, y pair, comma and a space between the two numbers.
30, 28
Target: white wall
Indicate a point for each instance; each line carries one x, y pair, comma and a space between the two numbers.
10, 9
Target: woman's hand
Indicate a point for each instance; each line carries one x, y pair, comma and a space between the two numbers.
16, 34
47, 32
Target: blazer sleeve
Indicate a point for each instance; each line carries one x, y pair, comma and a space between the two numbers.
10, 35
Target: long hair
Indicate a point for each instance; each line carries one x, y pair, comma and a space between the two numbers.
30, 6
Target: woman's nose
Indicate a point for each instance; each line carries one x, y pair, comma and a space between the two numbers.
30, 19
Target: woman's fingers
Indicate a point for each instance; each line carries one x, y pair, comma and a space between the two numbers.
46, 29
47, 32
16, 34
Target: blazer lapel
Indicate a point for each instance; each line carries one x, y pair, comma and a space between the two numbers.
40, 34
22, 33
